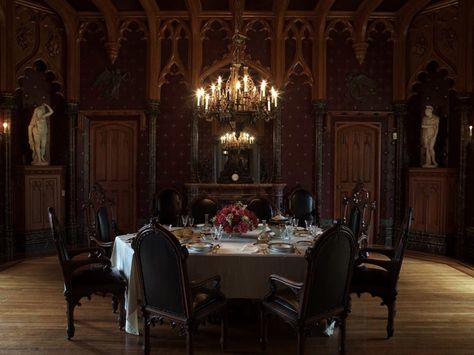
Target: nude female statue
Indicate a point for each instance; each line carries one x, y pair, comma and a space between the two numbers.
429, 132
38, 133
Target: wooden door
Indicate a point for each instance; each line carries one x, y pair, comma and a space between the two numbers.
357, 158
113, 165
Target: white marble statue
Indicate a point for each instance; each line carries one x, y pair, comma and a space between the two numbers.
38, 133
429, 132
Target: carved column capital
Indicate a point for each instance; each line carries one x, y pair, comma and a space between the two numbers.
72, 108
464, 102
153, 108
320, 107
400, 109
7, 101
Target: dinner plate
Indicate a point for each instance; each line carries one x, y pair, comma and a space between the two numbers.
304, 243
281, 248
199, 247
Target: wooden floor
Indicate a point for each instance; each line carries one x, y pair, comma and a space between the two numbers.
435, 316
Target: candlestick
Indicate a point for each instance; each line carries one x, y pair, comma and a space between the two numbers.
470, 131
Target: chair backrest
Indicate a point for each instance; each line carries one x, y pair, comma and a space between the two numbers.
261, 207
99, 215
162, 270
167, 206
202, 206
57, 234
329, 273
301, 204
402, 244
358, 211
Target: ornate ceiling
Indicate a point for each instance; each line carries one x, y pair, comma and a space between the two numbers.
381, 6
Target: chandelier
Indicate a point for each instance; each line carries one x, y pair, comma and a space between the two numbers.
238, 96
234, 140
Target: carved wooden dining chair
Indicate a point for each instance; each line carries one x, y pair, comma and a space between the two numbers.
101, 224
324, 293
262, 208
201, 206
86, 271
168, 295
382, 280
357, 214
301, 205
167, 206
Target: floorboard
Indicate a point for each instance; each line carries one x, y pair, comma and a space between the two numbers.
435, 316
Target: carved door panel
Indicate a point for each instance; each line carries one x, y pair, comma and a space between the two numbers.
113, 165
356, 159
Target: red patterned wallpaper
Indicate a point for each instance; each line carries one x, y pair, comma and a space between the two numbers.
130, 67
173, 145
298, 135
351, 86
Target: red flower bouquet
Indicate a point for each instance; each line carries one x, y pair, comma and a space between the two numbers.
236, 218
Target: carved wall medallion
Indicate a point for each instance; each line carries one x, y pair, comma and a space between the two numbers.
110, 81
359, 87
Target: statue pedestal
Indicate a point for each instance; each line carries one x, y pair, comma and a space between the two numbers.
38, 187
432, 195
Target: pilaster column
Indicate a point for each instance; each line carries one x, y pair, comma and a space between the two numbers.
72, 108
195, 147
400, 113
277, 178
152, 112
7, 107
463, 106
319, 112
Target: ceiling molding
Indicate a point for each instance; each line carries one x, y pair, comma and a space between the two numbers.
112, 22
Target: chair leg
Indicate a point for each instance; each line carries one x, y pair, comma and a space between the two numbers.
263, 329
391, 305
146, 334
121, 305
189, 341
300, 341
223, 332
70, 318
342, 346
114, 304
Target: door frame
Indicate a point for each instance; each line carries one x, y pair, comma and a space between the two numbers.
84, 124
385, 122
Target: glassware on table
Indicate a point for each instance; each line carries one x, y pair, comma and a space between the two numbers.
206, 220
308, 222
190, 221
217, 232
184, 219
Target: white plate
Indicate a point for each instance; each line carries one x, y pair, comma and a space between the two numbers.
199, 247
281, 248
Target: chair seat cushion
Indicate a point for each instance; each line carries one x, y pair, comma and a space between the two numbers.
287, 299
203, 297
96, 278
366, 278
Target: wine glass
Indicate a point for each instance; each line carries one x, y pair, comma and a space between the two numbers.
308, 222
184, 219
190, 221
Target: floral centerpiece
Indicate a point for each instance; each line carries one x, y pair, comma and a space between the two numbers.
236, 218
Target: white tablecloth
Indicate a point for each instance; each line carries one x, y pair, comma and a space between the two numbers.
244, 274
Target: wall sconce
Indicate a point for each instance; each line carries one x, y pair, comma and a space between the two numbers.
470, 132
4, 129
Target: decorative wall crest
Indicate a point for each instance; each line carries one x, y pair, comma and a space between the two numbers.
110, 81
359, 87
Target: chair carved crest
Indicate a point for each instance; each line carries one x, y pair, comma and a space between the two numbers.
100, 219
358, 210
